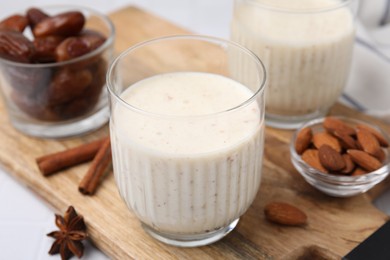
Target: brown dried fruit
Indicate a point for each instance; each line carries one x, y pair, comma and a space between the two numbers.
381, 139
71, 48
26, 81
368, 142
303, 140
33, 107
64, 24
330, 158
74, 47
322, 138
46, 48
349, 164
16, 47
357, 150
35, 16
67, 85
285, 214
310, 156
364, 160
14, 23
380, 155
358, 171
346, 141
93, 39
332, 124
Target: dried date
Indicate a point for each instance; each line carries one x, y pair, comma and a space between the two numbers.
74, 108
35, 16
27, 81
68, 84
64, 24
98, 69
14, 23
89, 98
71, 48
34, 107
45, 48
16, 47
93, 39
74, 47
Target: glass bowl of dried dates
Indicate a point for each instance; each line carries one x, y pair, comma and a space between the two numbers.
53, 63
340, 156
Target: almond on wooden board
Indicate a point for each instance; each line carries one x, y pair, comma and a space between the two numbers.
310, 156
322, 138
381, 139
285, 214
330, 158
368, 142
364, 160
303, 140
332, 124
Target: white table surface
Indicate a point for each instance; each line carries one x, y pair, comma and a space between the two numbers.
25, 219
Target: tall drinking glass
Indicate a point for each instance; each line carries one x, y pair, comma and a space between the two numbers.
187, 135
307, 48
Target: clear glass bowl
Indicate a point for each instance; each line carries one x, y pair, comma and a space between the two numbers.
65, 98
338, 185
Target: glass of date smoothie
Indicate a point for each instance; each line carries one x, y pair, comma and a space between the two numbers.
187, 135
307, 48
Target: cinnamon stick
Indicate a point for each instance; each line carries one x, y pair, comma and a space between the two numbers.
55, 162
97, 169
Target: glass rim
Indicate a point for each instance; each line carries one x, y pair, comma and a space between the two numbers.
259, 65
105, 45
271, 7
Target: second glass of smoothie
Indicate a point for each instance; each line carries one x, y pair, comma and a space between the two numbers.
307, 48
187, 135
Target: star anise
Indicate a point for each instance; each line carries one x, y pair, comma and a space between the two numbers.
68, 240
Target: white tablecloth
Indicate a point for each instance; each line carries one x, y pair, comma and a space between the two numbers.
25, 218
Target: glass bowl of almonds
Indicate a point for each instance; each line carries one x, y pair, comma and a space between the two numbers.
340, 156
53, 63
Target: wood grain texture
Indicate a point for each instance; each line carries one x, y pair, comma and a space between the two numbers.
336, 225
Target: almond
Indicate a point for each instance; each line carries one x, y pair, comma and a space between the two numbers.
322, 138
284, 214
381, 139
303, 140
368, 142
330, 158
349, 164
358, 171
364, 160
346, 141
332, 124
380, 155
310, 156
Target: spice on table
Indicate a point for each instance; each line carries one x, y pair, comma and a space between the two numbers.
69, 237
96, 172
53, 163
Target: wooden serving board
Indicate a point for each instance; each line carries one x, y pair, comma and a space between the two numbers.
336, 225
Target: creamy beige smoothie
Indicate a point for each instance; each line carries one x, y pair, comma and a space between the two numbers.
307, 53
180, 164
